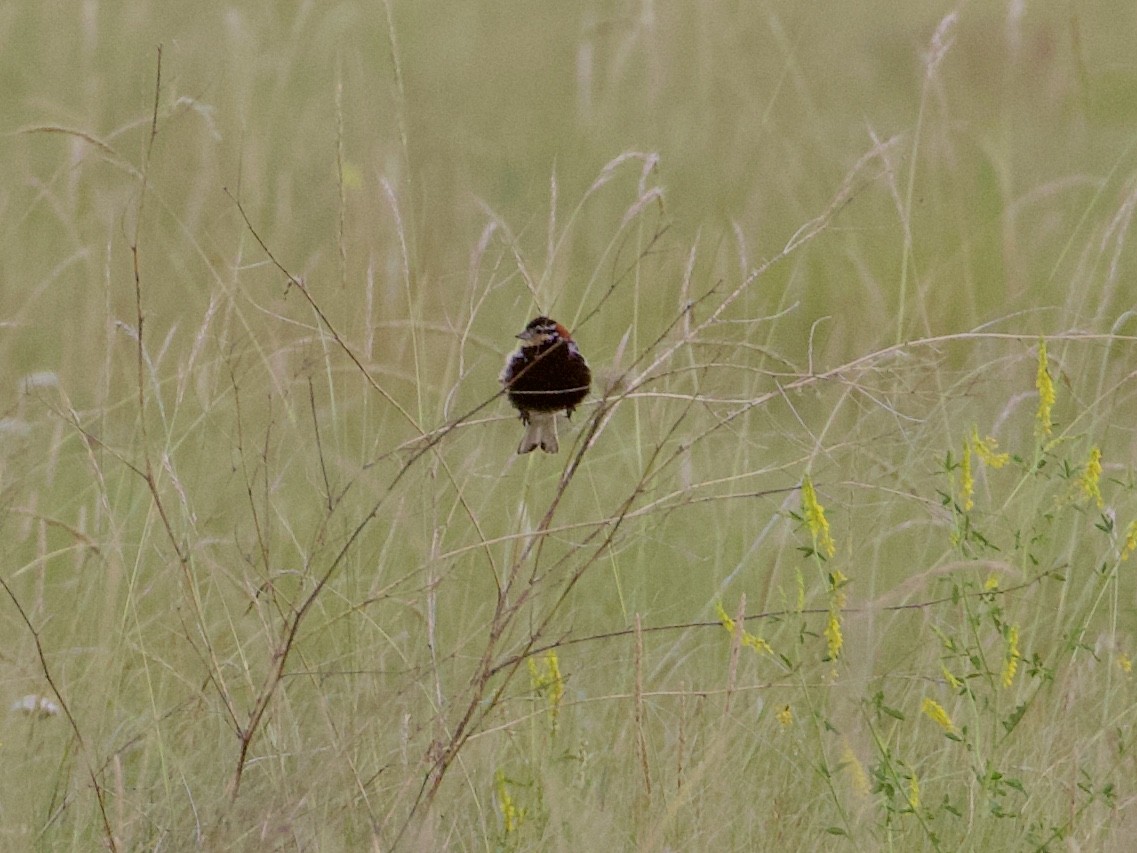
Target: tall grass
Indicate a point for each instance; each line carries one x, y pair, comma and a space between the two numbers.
836, 555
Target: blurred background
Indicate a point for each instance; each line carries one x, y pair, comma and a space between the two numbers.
1021, 137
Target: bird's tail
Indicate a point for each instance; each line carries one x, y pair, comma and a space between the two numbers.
540, 431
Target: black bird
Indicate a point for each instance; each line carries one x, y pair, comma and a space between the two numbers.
546, 376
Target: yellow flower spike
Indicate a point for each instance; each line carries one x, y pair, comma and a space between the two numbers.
1126, 664
724, 617
814, 514
749, 640
785, 717
556, 680
833, 638
1130, 540
1091, 478
548, 681
991, 584
985, 449
950, 678
913, 792
935, 712
1046, 395
757, 643
511, 815
966, 481
1011, 661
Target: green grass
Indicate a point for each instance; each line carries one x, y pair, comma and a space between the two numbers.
268, 551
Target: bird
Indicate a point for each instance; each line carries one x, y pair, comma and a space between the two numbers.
545, 376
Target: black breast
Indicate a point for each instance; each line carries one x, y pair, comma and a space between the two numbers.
548, 378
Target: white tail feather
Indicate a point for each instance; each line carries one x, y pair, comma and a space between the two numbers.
541, 431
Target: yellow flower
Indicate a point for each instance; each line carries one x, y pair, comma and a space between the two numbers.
1011, 661
991, 584
749, 640
1130, 540
833, 638
511, 815
913, 792
935, 712
950, 678
556, 680
985, 450
1125, 663
547, 680
1046, 395
785, 717
724, 617
1091, 477
814, 514
757, 643
966, 481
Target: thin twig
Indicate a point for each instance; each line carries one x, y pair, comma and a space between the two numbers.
46, 670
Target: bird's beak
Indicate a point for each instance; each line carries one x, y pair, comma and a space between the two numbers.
527, 335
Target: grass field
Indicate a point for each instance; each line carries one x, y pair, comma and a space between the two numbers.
839, 554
